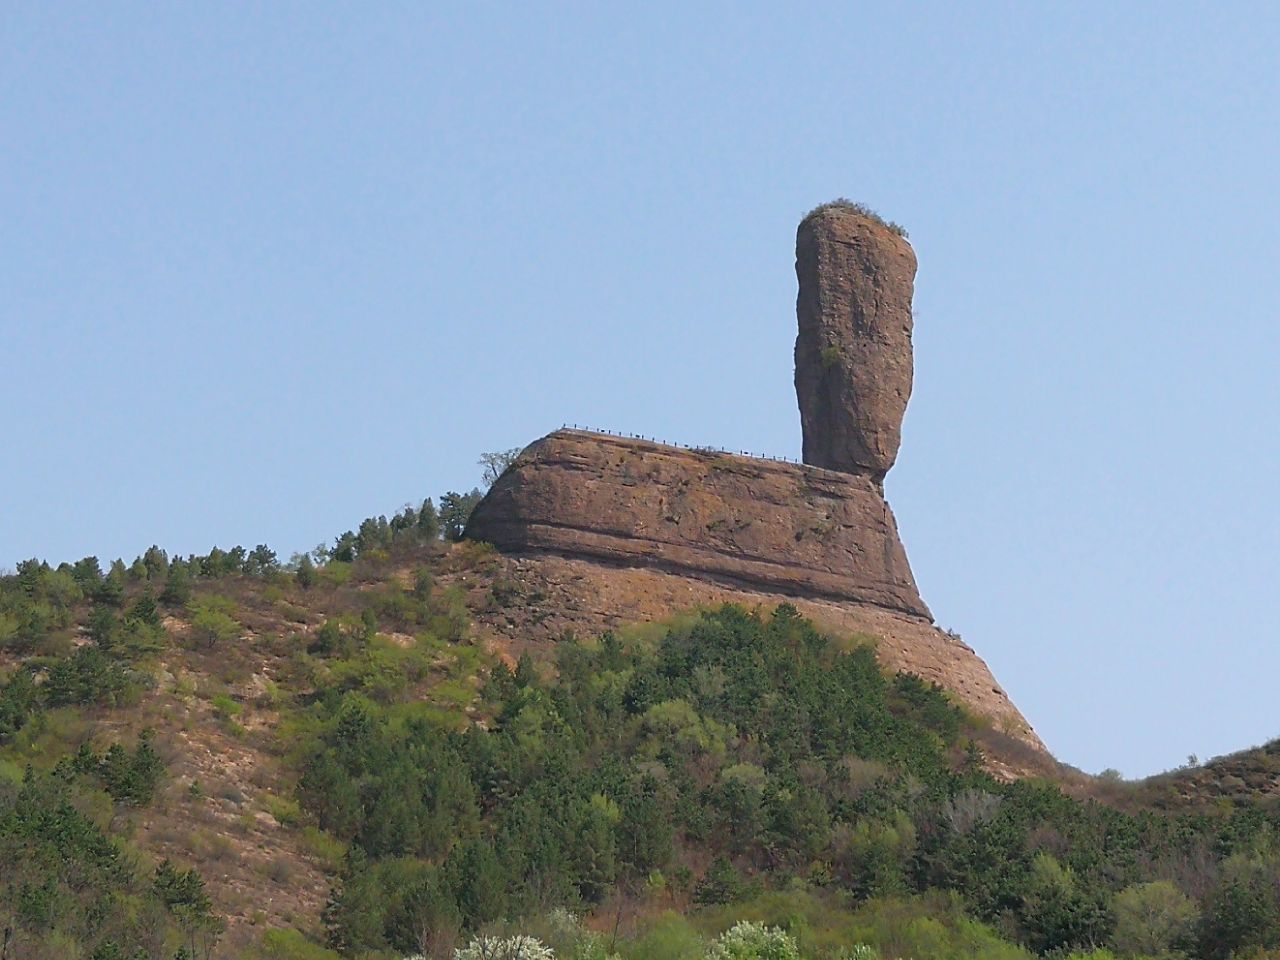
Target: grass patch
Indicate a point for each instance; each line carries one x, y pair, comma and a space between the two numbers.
292, 945
324, 848
285, 811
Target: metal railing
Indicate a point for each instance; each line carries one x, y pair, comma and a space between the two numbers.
683, 446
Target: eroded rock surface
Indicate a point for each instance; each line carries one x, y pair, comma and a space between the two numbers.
618, 529
782, 527
853, 348
557, 595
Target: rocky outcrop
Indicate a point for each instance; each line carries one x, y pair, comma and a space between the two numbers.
548, 596
781, 527
853, 349
616, 528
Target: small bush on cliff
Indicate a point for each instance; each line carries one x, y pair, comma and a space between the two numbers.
495, 464
842, 203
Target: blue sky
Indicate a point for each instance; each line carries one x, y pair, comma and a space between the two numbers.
267, 269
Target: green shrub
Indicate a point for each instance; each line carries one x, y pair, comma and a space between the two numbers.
212, 624
285, 811
336, 573
1151, 918
130, 778
87, 676
862, 209
721, 884
670, 937
292, 945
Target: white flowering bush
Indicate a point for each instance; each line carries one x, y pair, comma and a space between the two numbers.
505, 948
564, 922
753, 941
861, 951
571, 940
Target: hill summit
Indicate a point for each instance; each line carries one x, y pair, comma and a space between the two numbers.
679, 526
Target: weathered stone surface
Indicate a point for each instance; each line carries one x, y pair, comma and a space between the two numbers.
610, 530
853, 349
586, 597
761, 524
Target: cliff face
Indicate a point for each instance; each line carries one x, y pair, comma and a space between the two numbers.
856, 277
584, 597
760, 524
649, 528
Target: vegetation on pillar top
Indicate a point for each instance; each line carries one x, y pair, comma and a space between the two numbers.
843, 203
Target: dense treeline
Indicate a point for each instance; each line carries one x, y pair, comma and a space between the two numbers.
734, 765
768, 753
43, 609
741, 735
68, 888
80, 638
39, 599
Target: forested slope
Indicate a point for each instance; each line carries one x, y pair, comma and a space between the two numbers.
231, 756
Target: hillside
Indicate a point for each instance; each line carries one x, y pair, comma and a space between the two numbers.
636, 701
380, 754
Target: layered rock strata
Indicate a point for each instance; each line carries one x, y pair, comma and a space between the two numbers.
559, 596
781, 527
853, 372
622, 528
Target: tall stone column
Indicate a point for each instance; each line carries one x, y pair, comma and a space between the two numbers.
853, 349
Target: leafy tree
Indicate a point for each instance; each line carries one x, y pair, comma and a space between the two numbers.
103, 624
1241, 913
721, 884
374, 534
87, 676
428, 521
1057, 913
479, 881
211, 625
110, 591
356, 913
344, 548
19, 701
1150, 918
87, 572
497, 463
144, 609
157, 563
455, 511
306, 572
183, 893
260, 560
426, 917
177, 585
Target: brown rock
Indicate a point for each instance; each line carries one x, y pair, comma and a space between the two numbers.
761, 524
609, 530
853, 349
586, 597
